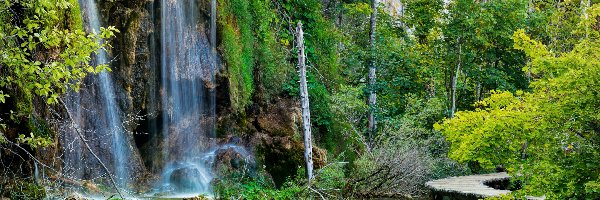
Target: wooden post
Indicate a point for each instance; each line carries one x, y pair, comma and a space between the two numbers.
305, 103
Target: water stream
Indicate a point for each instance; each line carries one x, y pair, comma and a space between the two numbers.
111, 108
188, 63
97, 116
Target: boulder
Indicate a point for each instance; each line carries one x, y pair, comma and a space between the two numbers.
234, 159
189, 179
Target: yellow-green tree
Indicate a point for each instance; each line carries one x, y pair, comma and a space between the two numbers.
547, 138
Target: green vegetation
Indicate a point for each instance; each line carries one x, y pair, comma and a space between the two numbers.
44, 54
23, 189
462, 87
521, 104
255, 189
548, 136
40, 54
238, 46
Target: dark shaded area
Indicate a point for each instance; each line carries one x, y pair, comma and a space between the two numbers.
281, 163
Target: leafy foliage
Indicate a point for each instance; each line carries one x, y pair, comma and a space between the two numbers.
44, 52
38, 56
527, 87
547, 138
259, 187
237, 46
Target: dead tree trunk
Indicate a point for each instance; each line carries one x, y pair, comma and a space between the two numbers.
454, 80
585, 6
213, 23
372, 73
305, 103
478, 87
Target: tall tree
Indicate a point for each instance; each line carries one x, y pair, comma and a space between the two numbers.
372, 71
305, 103
549, 135
455, 79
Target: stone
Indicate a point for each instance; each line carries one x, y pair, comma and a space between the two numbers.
75, 196
187, 179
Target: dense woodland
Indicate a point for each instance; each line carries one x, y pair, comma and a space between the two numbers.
401, 92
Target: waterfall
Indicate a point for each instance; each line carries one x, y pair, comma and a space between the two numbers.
111, 108
188, 62
97, 115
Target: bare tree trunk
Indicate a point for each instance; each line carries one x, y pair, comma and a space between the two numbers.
454, 80
213, 23
305, 103
372, 70
585, 6
478, 87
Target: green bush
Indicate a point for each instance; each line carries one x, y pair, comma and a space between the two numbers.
259, 187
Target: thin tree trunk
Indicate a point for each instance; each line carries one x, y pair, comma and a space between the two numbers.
213, 23
585, 6
372, 76
478, 88
305, 103
454, 80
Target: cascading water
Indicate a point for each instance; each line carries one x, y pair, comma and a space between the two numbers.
110, 106
184, 128
188, 62
97, 116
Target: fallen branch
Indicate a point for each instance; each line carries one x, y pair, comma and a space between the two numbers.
322, 197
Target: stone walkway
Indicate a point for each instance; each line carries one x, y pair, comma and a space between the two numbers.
470, 185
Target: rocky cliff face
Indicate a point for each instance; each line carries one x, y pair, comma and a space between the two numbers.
270, 131
133, 65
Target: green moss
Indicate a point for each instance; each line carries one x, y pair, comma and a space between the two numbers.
24, 101
237, 46
39, 127
74, 15
258, 51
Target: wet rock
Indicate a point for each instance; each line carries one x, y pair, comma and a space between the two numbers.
275, 137
234, 159
281, 156
75, 196
188, 179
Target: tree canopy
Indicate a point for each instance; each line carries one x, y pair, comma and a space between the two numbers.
547, 137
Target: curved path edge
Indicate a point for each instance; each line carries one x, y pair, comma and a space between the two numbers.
473, 185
